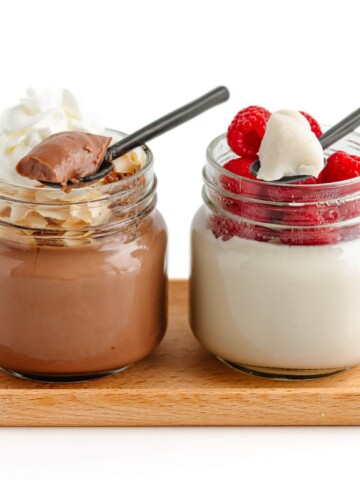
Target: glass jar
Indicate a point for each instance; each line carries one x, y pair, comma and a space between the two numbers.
82, 277
275, 274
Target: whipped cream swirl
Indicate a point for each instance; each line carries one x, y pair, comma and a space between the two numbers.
41, 113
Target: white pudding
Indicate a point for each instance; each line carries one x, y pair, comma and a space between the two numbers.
275, 306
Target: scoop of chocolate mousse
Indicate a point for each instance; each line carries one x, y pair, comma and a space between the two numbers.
64, 156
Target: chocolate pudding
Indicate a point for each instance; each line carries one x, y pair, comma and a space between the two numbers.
83, 310
82, 274
64, 156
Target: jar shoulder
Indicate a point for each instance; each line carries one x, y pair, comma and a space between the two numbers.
158, 221
200, 218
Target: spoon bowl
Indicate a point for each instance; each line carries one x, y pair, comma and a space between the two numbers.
105, 168
255, 167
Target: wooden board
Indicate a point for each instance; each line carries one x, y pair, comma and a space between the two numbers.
181, 384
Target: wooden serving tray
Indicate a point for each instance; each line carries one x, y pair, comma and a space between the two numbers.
181, 384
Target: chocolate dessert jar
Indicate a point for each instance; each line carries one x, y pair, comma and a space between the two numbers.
82, 277
275, 277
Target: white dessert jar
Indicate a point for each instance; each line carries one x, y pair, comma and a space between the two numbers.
275, 271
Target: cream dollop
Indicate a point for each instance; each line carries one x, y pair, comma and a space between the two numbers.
289, 147
41, 113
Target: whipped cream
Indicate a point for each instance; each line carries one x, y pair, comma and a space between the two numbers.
289, 147
41, 113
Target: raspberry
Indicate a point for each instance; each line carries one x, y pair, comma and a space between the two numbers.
239, 166
315, 127
225, 228
307, 181
311, 236
313, 222
340, 166
244, 207
247, 130
305, 215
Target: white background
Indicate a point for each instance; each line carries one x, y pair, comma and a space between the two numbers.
132, 62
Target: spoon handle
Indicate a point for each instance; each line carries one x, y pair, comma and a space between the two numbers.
338, 131
169, 121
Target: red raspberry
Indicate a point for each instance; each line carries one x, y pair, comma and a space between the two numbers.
243, 206
311, 236
239, 166
340, 166
225, 228
308, 181
305, 215
315, 127
313, 221
247, 130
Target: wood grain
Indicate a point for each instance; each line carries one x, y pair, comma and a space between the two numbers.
181, 384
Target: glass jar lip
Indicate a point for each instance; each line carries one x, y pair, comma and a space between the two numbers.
104, 191
319, 186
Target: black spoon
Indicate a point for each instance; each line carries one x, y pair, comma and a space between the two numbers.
154, 129
331, 136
